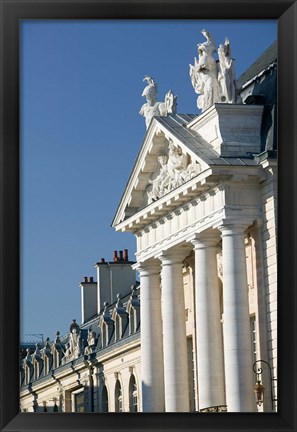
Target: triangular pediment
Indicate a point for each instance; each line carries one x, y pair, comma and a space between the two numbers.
170, 156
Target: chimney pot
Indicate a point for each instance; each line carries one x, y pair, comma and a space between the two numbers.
121, 255
85, 279
115, 256
126, 254
102, 260
91, 279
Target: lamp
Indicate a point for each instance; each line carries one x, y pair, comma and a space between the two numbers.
259, 393
259, 388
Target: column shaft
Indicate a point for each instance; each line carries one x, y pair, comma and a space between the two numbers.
210, 357
174, 335
152, 374
237, 333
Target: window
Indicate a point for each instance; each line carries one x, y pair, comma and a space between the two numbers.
78, 401
133, 398
104, 399
118, 397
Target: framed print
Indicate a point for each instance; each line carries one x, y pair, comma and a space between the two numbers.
198, 331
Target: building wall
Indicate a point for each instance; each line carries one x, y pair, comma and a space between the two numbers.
89, 378
269, 244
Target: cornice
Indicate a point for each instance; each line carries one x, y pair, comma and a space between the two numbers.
215, 176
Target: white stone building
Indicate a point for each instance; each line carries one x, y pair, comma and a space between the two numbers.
202, 203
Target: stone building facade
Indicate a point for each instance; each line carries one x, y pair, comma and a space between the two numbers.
202, 203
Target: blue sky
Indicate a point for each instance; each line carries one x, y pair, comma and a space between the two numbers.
81, 85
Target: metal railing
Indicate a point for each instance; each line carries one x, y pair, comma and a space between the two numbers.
215, 409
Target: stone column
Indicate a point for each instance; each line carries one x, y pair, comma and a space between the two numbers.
152, 375
237, 334
210, 356
174, 334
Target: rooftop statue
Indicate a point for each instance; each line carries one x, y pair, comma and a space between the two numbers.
213, 81
226, 74
153, 108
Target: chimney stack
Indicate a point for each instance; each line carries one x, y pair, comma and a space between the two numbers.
114, 278
126, 255
88, 298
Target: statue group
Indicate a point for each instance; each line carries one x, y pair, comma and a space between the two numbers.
213, 81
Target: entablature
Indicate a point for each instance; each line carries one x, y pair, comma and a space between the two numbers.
230, 178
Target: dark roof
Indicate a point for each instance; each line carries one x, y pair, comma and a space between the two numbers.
268, 57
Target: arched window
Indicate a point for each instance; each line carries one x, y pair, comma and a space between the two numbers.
133, 397
104, 399
118, 397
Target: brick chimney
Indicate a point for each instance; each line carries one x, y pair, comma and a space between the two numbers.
126, 255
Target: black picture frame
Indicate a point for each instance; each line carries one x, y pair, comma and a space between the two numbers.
12, 11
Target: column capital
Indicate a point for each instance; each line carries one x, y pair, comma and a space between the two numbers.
205, 239
174, 256
148, 267
231, 227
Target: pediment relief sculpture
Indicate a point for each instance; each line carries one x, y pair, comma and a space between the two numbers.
153, 108
175, 169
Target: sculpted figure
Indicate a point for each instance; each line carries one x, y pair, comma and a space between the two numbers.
162, 182
226, 73
177, 163
67, 353
204, 74
74, 340
91, 341
213, 81
153, 108
174, 171
192, 170
169, 105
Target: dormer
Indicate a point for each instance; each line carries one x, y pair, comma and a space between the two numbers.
133, 309
37, 363
57, 351
106, 325
120, 318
